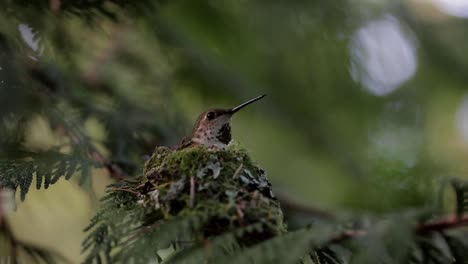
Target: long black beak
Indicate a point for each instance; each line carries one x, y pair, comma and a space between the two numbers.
237, 108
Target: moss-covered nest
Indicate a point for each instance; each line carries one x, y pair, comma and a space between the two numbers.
224, 185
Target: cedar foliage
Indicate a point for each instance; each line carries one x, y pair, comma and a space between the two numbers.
188, 195
224, 223
130, 227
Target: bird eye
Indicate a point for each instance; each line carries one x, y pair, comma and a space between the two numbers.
210, 115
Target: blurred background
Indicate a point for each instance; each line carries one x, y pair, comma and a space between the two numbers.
367, 106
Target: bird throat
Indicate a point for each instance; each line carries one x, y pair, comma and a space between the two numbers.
214, 136
224, 134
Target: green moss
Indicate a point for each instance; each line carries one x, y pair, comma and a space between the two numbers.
225, 185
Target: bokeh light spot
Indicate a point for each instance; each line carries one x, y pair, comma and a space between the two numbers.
457, 8
462, 119
396, 139
383, 56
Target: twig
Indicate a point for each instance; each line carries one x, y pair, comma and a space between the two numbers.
114, 170
240, 213
443, 224
348, 234
192, 191
142, 231
1, 207
6, 229
124, 190
439, 225
55, 5
162, 185
115, 43
73, 131
185, 241
289, 204
236, 173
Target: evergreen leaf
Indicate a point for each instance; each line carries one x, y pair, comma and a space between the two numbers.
284, 249
48, 167
461, 196
326, 255
217, 248
458, 244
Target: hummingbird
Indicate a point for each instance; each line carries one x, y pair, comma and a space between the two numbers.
213, 127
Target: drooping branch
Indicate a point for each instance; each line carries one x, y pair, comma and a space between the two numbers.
445, 223
290, 204
72, 130
114, 170
5, 227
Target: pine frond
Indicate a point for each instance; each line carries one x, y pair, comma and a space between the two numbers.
213, 249
172, 206
144, 244
26, 252
384, 240
288, 248
124, 233
117, 218
48, 167
328, 255
432, 249
40, 255
458, 244
461, 196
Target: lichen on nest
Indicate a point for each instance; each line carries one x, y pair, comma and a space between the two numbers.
225, 185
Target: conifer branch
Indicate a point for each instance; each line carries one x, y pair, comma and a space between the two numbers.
290, 204
114, 170
6, 230
446, 223
5, 227
93, 75
2, 215
443, 224
73, 132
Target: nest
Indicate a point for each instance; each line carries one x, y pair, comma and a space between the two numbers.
224, 185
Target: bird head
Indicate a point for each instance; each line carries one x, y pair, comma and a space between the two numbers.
213, 127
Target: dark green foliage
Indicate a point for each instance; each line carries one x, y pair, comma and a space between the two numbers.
288, 248
211, 250
57, 90
47, 167
461, 196
224, 178
458, 244
33, 252
327, 255
297, 51
185, 198
106, 235
183, 202
40, 255
131, 232
66, 98
441, 247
